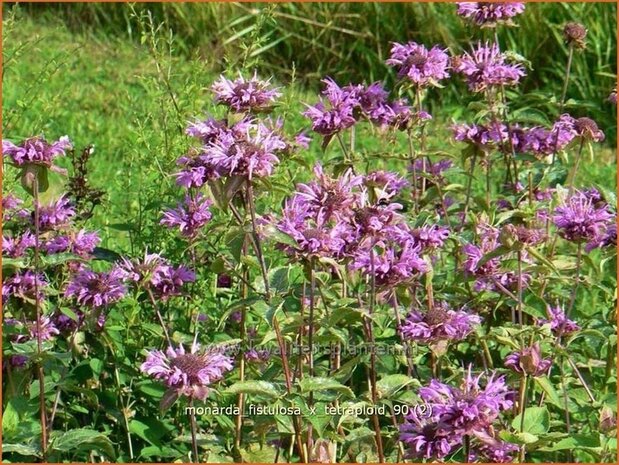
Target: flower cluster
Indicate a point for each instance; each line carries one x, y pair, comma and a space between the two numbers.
529, 361
419, 65
187, 373
486, 67
453, 413
488, 14
244, 95
35, 151
157, 275
190, 216
580, 219
439, 323
348, 105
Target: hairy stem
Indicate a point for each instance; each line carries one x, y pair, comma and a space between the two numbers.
568, 68
37, 298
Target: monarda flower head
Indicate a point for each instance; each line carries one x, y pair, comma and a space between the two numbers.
488, 14
430, 237
329, 197
313, 237
81, 243
24, 285
158, 275
416, 63
16, 246
612, 98
580, 220
439, 323
485, 67
575, 35
385, 184
451, 413
340, 115
55, 215
190, 216
392, 262
187, 373
560, 324
528, 361
245, 95
248, 150
97, 289
36, 151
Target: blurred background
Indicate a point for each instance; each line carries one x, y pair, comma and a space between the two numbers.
350, 41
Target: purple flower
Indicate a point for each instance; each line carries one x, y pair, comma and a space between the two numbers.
195, 173
392, 262
11, 210
433, 169
430, 237
425, 438
450, 413
339, 115
608, 239
188, 373
560, 324
207, 131
56, 214
36, 150
82, 243
580, 220
528, 360
16, 246
257, 355
328, 198
385, 184
612, 98
48, 329
249, 149
22, 285
97, 289
471, 407
189, 217
440, 323
310, 236
244, 95
376, 222
475, 134
168, 281
421, 66
487, 67
156, 274
494, 450
489, 14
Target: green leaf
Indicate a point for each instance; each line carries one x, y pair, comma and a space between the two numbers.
518, 438
21, 449
260, 388
536, 420
391, 384
544, 383
323, 384
84, 440
576, 441
10, 419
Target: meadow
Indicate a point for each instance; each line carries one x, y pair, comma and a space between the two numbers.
218, 268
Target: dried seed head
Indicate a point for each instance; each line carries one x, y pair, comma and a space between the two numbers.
575, 34
586, 127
